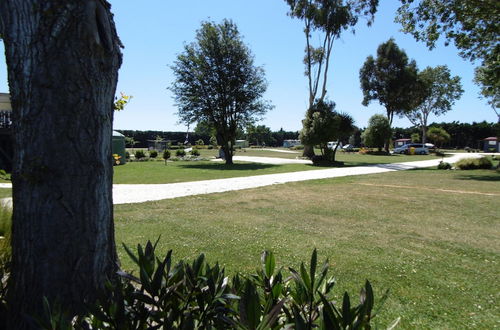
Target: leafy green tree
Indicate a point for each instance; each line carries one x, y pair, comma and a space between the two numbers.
204, 128
471, 25
378, 132
390, 78
216, 81
130, 141
324, 125
122, 101
488, 77
166, 155
415, 138
325, 20
213, 141
440, 91
259, 135
438, 136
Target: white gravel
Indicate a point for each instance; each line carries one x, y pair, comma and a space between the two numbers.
267, 160
280, 150
138, 193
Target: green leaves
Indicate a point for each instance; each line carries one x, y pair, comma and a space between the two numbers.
197, 296
217, 82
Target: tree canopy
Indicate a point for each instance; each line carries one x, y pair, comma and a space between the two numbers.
324, 124
378, 132
440, 91
438, 135
390, 78
471, 25
216, 81
326, 20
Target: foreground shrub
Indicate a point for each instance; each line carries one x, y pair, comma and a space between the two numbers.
195, 295
153, 154
474, 163
195, 152
180, 153
139, 154
166, 156
444, 166
5, 254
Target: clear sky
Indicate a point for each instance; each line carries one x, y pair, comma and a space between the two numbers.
155, 31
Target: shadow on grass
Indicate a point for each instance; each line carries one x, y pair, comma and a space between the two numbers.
485, 177
225, 167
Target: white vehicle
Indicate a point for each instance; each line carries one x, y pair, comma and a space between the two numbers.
333, 144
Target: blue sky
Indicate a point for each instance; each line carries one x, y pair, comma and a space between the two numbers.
155, 31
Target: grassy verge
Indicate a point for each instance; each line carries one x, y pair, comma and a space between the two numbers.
5, 192
431, 237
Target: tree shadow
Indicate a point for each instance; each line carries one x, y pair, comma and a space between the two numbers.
484, 177
225, 167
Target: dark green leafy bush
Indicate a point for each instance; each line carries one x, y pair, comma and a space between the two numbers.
180, 153
139, 154
153, 154
199, 296
127, 155
474, 163
183, 295
444, 166
166, 155
195, 152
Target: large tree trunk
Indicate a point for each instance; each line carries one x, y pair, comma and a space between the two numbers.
63, 59
228, 152
308, 151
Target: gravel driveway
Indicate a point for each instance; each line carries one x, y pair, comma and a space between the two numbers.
138, 193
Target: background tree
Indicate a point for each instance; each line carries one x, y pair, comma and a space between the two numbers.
259, 135
378, 132
415, 138
62, 61
325, 125
355, 138
327, 19
471, 25
440, 91
204, 127
216, 81
438, 136
392, 80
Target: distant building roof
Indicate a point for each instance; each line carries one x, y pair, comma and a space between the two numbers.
400, 140
115, 133
491, 138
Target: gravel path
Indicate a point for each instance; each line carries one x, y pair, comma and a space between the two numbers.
267, 160
138, 193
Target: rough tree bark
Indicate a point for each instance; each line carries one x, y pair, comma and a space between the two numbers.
63, 58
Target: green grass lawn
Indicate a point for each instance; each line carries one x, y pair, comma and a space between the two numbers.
5, 192
182, 171
431, 237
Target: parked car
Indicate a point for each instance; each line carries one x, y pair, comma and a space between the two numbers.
348, 147
420, 149
332, 145
430, 146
